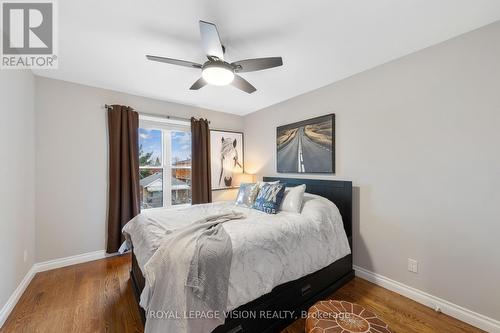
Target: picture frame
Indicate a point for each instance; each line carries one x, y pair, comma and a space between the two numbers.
227, 158
307, 146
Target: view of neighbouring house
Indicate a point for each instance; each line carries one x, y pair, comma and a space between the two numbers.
152, 186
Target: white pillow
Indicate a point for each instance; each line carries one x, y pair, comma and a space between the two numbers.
292, 201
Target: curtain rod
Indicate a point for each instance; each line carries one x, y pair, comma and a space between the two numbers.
107, 106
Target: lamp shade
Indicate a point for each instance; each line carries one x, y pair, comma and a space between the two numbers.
242, 178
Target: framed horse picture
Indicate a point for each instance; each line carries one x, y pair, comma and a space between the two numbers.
226, 150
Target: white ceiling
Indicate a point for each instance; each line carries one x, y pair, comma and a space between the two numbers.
102, 43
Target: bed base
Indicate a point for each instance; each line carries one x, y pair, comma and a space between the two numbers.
295, 296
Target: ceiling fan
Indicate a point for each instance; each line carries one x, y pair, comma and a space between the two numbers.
216, 70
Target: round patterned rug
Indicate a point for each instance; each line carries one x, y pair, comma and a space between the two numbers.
343, 317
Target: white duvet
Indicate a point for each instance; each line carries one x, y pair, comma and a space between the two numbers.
268, 250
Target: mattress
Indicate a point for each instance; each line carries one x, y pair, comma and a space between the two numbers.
268, 250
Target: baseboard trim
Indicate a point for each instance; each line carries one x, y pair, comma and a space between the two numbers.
16, 295
68, 261
473, 318
45, 266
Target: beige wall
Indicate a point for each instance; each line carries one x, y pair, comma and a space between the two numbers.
71, 157
420, 139
17, 169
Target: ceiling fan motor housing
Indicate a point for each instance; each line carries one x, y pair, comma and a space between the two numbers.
218, 63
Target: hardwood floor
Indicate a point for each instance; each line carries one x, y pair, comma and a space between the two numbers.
402, 314
91, 297
98, 297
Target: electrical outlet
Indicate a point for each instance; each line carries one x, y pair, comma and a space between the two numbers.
412, 265
25, 256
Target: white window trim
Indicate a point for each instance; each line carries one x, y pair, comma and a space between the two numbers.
167, 169
164, 123
166, 126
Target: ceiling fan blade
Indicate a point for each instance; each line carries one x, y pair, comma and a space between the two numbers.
200, 83
243, 84
210, 40
252, 65
174, 61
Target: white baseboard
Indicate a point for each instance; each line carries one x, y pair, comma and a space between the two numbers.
16, 295
473, 318
68, 261
45, 266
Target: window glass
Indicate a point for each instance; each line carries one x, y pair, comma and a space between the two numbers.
181, 148
150, 147
181, 186
164, 167
181, 167
151, 188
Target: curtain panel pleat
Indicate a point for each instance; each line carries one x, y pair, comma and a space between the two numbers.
124, 196
201, 184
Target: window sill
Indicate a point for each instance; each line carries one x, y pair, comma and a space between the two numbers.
169, 207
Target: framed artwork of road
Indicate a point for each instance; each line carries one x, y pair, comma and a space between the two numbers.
307, 146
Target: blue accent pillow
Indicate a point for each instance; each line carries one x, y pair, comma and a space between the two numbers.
269, 198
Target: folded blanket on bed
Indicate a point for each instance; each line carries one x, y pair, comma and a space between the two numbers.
191, 267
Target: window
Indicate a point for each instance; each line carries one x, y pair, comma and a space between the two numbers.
164, 163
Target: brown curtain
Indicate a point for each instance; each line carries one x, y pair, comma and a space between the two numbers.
201, 185
123, 126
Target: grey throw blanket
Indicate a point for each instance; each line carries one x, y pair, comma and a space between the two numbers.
187, 278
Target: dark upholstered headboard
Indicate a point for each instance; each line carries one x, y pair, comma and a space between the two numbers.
337, 191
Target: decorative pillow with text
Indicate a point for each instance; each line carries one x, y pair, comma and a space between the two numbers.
269, 198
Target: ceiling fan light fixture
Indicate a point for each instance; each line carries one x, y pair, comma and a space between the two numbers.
219, 74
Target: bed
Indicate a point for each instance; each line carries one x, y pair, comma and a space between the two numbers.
283, 303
